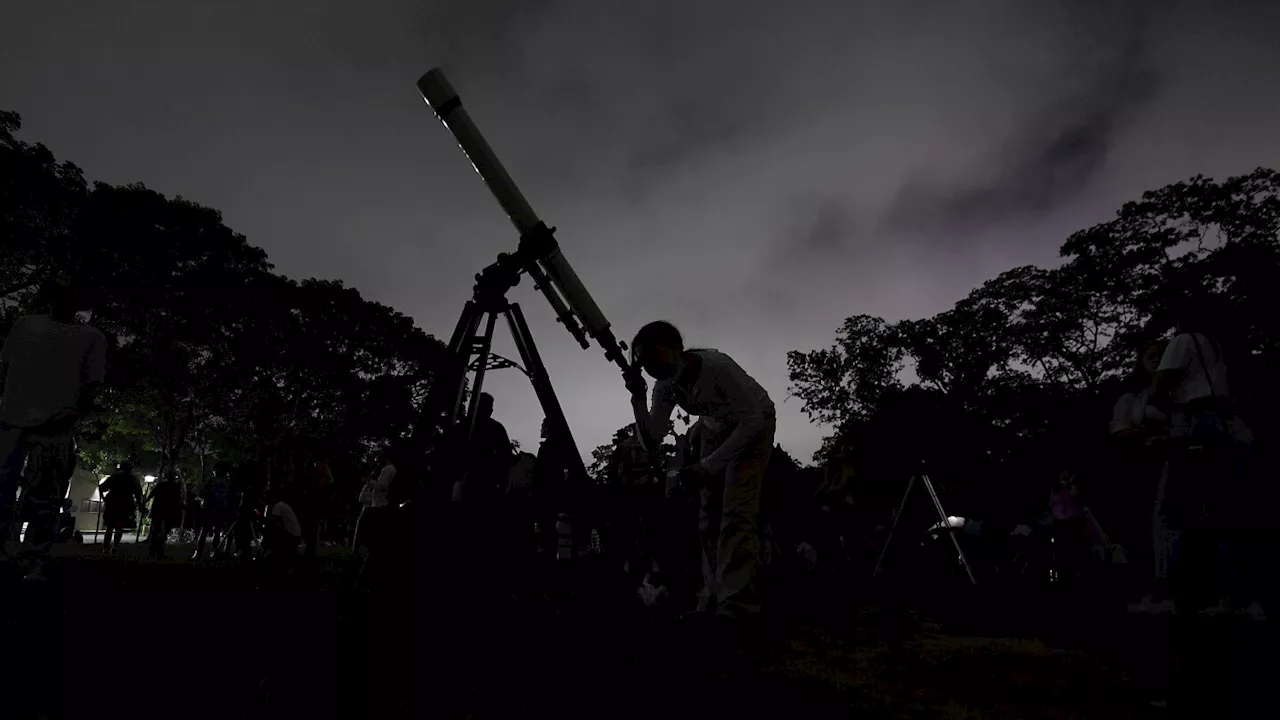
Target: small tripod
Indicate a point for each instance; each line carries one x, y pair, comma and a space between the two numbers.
942, 516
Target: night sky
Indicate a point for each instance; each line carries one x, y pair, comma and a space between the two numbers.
754, 172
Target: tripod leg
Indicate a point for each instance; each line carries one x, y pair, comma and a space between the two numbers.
546, 393
1106, 539
897, 517
447, 393
481, 348
942, 514
462, 359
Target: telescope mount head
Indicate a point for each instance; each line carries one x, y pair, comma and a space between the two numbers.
492, 283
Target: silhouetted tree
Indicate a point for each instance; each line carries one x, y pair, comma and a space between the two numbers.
1027, 365
212, 352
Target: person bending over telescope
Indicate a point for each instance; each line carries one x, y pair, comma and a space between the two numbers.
738, 422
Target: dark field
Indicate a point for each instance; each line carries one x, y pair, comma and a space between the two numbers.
178, 640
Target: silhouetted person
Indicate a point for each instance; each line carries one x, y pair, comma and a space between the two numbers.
738, 420
246, 498
1138, 430
216, 513
282, 531
517, 507
1073, 533
489, 457
520, 476
548, 482
121, 498
308, 503
166, 511
1207, 442
51, 366
67, 523
373, 527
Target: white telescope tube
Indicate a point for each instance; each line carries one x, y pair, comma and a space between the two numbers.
447, 105
575, 293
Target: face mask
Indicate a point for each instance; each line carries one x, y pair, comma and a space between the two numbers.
659, 370
677, 367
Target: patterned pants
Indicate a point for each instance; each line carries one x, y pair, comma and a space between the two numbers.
39, 463
729, 522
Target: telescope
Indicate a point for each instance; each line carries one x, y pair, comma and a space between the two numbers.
539, 254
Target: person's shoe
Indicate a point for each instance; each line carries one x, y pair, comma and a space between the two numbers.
35, 572
1221, 608
699, 614
1150, 605
1144, 605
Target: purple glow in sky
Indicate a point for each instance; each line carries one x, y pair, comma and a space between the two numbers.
754, 172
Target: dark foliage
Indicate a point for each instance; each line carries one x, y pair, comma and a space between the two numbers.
212, 355
1018, 378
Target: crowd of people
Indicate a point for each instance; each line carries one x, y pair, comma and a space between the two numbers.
225, 517
1167, 513
51, 367
1180, 463
1161, 517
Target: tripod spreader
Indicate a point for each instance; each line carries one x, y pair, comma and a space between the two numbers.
471, 348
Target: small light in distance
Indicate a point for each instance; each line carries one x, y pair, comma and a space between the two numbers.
149, 478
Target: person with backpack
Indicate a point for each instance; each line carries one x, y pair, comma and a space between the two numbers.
1208, 446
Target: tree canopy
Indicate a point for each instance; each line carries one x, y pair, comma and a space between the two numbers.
1026, 367
212, 354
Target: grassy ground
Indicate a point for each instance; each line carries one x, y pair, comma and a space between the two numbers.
176, 639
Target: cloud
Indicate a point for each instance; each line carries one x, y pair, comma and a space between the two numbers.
1050, 160
828, 226
754, 171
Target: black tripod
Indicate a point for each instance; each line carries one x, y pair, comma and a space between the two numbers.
942, 516
471, 348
